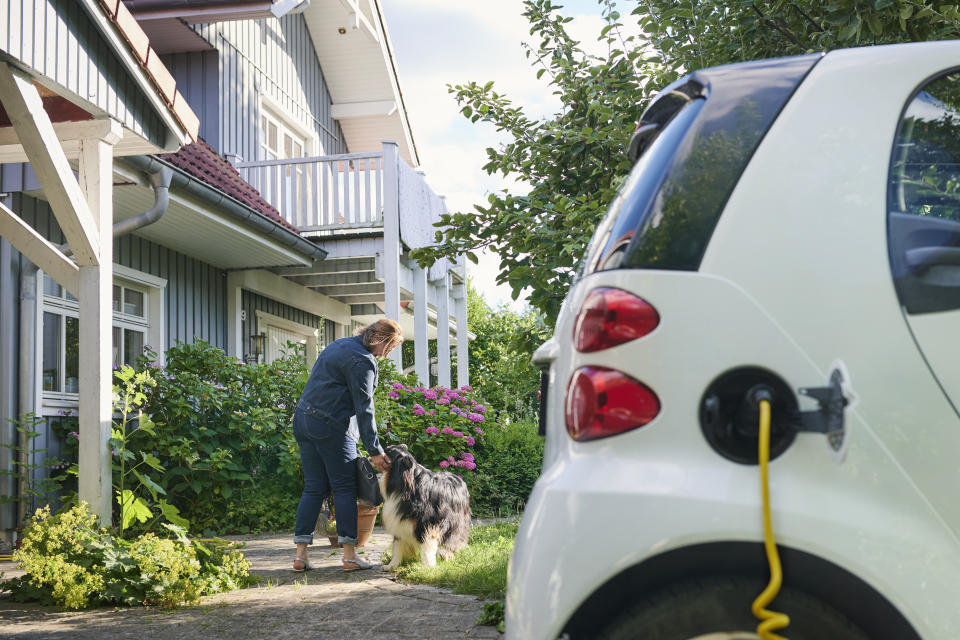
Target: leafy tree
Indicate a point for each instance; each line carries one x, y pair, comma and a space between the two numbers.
500, 355
571, 164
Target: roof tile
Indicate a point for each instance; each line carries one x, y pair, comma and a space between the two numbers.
201, 161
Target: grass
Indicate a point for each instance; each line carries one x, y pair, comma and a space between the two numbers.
479, 569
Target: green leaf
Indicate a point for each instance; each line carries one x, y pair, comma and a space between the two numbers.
152, 461
132, 508
172, 514
151, 486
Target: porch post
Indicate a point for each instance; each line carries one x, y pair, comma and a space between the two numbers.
443, 331
391, 238
463, 339
96, 332
421, 345
235, 339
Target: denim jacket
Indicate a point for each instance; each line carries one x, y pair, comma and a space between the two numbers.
341, 385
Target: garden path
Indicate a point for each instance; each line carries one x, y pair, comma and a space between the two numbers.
325, 602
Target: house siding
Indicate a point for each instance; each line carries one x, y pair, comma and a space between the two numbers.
276, 58
198, 78
195, 295
57, 39
195, 308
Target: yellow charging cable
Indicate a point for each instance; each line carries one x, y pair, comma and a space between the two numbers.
770, 621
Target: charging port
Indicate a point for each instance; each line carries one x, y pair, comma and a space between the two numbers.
729, 414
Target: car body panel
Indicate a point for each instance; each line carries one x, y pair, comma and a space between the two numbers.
795, 278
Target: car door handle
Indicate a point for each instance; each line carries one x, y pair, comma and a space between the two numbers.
923, 257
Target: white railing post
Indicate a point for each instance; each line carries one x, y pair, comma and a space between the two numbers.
463, 339
235, 339
391, 239
443, 330
421, 347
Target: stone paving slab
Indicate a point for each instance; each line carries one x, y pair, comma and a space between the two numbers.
323, 603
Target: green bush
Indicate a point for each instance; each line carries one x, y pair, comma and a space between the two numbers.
508, 465
440, 426
214, 448
223, 433
72, 562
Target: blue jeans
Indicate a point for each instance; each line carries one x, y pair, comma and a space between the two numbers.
327, 455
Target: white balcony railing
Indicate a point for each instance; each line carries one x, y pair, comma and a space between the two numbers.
322, 193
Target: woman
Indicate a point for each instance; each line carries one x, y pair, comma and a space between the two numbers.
341, 385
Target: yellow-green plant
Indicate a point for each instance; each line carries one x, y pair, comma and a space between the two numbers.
72, 562
133, 479
57, 554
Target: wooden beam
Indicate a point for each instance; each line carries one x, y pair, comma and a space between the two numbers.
330, 265
421, 351
39, 250
351, 289
35, 131
65, 131
443, 332
463, 337
390, 258
70, 134
372, 298
94, 483
358, 277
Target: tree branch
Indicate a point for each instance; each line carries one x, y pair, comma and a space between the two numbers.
789, 36
807, 16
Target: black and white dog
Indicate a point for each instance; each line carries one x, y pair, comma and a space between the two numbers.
427, 512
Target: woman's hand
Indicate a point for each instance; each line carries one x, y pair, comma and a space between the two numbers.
381, 462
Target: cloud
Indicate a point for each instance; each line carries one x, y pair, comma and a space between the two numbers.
439, 42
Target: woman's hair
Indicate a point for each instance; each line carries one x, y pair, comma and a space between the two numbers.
384, 331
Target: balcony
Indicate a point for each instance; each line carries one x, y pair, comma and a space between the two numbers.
367, 210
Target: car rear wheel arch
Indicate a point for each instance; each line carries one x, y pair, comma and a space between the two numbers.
846, 593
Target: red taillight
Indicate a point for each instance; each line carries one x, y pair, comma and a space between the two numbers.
603, 402
610, 317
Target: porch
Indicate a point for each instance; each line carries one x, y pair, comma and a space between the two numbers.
367, 210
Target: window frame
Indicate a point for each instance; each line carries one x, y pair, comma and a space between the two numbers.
150, 324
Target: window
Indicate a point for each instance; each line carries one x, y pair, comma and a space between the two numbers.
136, 313
923, 199
283, 336
284, 186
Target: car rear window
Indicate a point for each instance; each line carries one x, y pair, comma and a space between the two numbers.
667, 208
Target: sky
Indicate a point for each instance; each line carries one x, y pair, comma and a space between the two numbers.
440, 42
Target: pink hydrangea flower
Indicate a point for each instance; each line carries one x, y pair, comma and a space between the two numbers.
479, 430
480, 408
470, 466
443, 401
466, 455
432, 430
450, 459
444, 464
458, 434
446, 430
418, 410
470, 441
394, 395
430, 394
475, 417
398, 385
466, 387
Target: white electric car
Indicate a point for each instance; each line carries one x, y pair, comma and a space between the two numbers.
791, 225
